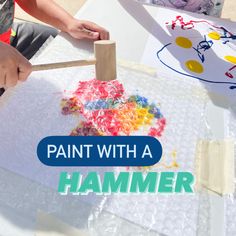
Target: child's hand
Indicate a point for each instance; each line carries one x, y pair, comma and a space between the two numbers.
13, 66
87, 30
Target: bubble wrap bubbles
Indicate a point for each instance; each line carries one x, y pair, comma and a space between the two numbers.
179, 108
180, 104
230, 201
230, 215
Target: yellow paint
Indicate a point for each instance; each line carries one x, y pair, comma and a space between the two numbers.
150, 116
184, 42
214, 35
133, 117
143, 110
173, 164
147, 122
231, 59
174, 154
194, 66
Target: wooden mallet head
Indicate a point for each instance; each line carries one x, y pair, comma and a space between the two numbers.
105, 55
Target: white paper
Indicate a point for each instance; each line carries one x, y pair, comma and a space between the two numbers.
164, 53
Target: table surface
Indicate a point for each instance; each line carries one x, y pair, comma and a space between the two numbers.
124, 24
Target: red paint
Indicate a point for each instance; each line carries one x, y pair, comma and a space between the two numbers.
228, 74
190, 24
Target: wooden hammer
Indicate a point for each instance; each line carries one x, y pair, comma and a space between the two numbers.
105, 61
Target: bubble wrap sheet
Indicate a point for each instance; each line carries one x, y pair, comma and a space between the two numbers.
230, 201
178, 214
37, 105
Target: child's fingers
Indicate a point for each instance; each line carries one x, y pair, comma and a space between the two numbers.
86, 34
104, 34
24, 70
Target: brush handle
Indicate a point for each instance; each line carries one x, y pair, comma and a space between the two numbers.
60, 65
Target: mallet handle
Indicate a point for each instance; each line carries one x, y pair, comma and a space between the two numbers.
60, 65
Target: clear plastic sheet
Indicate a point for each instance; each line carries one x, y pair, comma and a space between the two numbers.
230, 201
182, 102
168, 215
183, 106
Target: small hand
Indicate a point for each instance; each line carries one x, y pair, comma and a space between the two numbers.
79, 29
13, 66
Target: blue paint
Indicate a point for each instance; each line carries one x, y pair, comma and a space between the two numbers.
141, 101
227, 35
191, 76
204, 45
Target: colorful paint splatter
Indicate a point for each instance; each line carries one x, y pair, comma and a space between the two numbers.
109, 111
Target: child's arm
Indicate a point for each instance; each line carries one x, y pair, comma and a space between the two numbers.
51, 13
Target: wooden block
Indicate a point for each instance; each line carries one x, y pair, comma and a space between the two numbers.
105, 54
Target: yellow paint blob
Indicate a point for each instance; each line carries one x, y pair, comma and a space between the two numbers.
194, 66
214, 35
184, 42
231, 59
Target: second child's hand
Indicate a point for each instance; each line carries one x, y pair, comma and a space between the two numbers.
86, 30
51, 13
